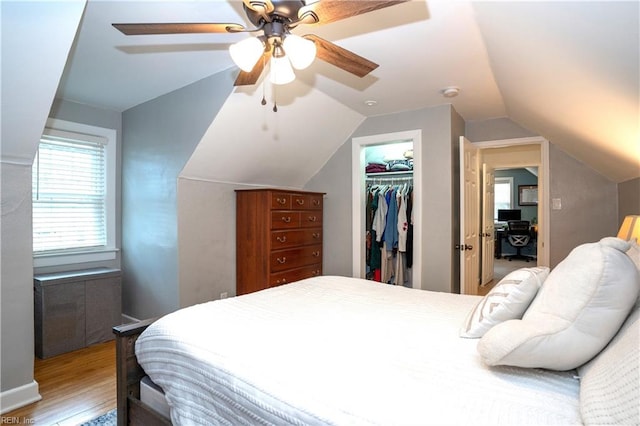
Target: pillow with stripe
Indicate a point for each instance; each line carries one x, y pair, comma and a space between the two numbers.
509, 299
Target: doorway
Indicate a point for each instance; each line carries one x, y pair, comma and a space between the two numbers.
359, 147
505, 154
512, 187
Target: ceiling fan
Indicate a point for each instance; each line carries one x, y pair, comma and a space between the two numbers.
277, 45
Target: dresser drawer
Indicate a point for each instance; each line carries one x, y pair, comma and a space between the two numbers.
282, 260
306, 202
283, 219
311, 219
294, 238
295, 275
280, 201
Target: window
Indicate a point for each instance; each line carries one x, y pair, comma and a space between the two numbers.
503, 193
73, 194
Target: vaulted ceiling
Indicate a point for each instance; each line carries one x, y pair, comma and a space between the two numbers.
565, 70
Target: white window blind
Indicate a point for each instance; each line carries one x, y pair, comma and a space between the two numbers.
503, 194
69, 193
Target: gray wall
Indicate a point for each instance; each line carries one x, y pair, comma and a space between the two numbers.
16, 276
439, 194
457, 130
206, 240
628, 198
589, 205
495, 129
159, 136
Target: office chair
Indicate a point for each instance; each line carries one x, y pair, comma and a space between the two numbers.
518, 236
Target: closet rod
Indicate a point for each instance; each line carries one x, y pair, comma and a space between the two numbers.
391, 179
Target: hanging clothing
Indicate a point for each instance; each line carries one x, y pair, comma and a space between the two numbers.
391, 229
380, 218
410, 228
402, 222
389, 242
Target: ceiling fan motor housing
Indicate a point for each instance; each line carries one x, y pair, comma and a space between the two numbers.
287, 10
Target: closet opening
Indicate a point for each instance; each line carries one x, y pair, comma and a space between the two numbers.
387, 211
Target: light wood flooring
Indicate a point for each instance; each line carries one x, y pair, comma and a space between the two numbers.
75, 387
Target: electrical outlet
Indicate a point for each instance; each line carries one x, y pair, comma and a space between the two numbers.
223, 295
556, 204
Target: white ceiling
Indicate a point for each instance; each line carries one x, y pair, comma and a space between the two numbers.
565, 70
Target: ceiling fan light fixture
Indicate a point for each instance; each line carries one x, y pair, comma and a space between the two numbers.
246, 53
301, 51
281, 71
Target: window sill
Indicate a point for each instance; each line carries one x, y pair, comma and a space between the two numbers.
57, 259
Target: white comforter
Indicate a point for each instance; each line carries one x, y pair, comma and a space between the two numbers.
335, 350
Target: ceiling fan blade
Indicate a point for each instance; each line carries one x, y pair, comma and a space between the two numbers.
251, 77
259, 5
326, 11
341, 58
178, 28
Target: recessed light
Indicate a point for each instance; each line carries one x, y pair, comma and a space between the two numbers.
370, 103
450, 92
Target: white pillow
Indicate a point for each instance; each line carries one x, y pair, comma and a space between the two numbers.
509, 299
579, 309
634, 253
610, 382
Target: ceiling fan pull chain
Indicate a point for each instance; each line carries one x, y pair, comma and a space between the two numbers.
264, 64
275, 106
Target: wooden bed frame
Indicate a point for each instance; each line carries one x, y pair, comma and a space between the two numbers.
131, 410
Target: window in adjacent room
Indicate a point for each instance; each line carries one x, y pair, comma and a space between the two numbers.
73, 194
503, 193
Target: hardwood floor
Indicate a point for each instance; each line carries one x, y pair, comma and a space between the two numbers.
75, 388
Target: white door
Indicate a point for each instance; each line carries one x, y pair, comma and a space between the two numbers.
469, 218
487, 233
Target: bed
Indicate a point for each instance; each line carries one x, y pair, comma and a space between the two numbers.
345, 351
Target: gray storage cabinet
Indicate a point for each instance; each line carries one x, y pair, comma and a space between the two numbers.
75, 309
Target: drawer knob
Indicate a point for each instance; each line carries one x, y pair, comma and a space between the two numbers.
316, 235
282, 239
282, 281
316, 202
300, 202
312, 218
281, 260
316, 272
316, 253
281, 200
286, 219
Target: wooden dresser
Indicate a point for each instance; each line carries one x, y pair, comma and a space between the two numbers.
278, 237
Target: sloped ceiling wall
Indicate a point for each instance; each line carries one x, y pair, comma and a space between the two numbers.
36, 40
569, 75
251, 144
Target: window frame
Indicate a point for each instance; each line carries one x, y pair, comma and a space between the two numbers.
96, 254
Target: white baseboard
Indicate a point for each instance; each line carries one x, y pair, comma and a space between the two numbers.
19, 397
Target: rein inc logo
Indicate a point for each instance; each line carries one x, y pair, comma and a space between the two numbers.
15, 420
